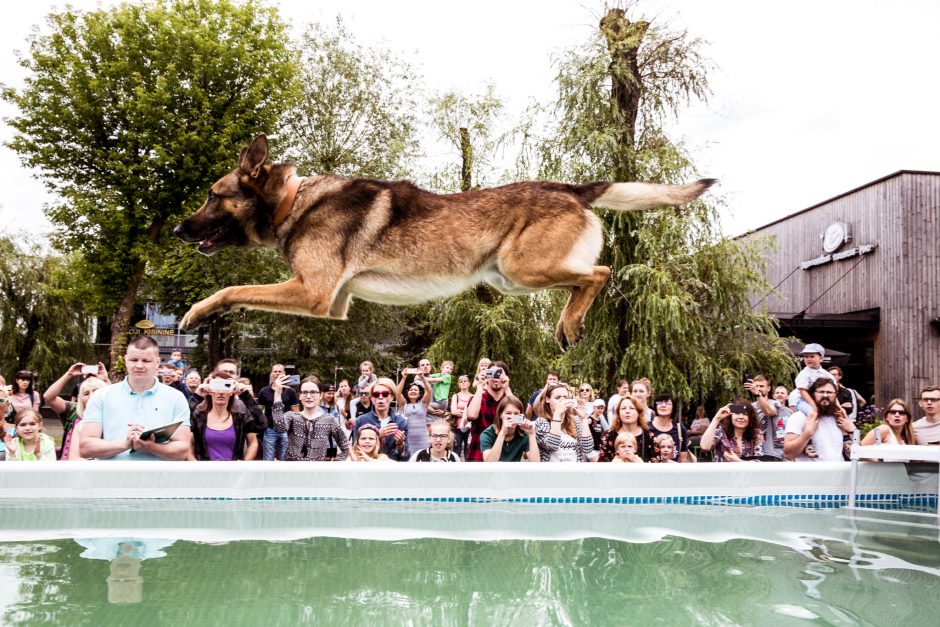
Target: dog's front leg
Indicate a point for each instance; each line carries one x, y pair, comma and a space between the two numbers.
292, 296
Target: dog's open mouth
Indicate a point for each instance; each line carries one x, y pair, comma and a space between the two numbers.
212, 242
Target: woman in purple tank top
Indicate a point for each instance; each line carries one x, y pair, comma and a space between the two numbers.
219, 432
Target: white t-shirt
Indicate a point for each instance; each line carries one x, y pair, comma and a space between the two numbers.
807, 376
927, 432
612, 405
827, 439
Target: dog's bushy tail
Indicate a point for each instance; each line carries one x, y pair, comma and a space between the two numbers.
639, 196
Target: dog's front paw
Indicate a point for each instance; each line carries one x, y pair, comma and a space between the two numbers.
193, 318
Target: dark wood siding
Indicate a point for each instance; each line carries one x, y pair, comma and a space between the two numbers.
901, 278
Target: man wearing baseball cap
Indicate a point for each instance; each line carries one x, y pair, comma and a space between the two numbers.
812, 355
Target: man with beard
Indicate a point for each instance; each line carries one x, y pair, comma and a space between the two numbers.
481, 410
823, 428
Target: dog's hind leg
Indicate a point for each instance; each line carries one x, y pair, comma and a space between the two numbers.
571, 324
340, 307
291, 296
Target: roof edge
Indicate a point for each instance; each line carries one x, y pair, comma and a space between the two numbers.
837, 196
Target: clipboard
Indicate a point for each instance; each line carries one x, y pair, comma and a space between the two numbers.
161, 435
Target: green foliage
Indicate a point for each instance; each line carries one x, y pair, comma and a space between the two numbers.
129, 113
41, 328
676, 309
508, 329
452, 114
356, 115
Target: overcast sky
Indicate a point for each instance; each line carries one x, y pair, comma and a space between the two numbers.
811, 97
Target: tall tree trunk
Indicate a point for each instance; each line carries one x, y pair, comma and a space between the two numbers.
121, 321
466, 161
624, 39
483, 292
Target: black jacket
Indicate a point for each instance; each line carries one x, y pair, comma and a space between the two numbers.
251, 420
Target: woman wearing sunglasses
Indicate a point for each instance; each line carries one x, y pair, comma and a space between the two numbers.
309, 430
393, 428
896, 429
734, 433
585, 400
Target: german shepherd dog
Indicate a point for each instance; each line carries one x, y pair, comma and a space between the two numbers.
393, 243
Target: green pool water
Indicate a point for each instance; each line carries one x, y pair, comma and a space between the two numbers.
464, 565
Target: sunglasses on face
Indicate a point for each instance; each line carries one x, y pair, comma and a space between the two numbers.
383, 394
585, 389
897, 412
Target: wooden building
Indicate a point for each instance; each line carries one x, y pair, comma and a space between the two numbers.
860, 273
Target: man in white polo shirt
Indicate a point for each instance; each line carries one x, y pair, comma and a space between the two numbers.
117, 414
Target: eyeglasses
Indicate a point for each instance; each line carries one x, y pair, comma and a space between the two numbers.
363, 393
585, 389
930, 400
383, 394
897, 412
439, 436
308, 393
821, 393
664, 402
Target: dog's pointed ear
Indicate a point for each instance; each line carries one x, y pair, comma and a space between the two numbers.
252, 157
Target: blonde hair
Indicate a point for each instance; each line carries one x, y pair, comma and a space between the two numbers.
625, 438
93, 383
663, 438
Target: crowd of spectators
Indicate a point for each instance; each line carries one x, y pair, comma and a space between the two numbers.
162, 411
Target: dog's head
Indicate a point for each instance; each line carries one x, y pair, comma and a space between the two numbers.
237, 211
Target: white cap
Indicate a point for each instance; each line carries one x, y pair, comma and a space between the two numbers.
813, 348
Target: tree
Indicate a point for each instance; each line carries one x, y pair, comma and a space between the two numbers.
482, 321
354, 116
676, 309
41, 328
130, 113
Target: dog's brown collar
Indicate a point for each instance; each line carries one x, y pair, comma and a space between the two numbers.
292, 185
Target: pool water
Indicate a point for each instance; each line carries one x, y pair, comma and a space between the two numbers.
340, 563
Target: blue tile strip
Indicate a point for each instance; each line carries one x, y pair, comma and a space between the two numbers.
810, 501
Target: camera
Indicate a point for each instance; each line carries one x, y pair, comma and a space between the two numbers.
747, 378
221, 385
738, 409
518, 420
293, 379
494, 373
410, 371
90, 369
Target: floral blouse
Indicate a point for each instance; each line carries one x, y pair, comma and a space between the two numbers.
724, 442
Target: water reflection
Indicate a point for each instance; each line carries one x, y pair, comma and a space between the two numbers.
375, 563
125, 584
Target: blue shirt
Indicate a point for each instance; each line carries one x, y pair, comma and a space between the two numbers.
389, 445
114, 406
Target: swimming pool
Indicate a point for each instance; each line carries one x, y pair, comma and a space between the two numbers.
271, 544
